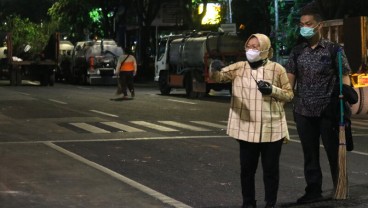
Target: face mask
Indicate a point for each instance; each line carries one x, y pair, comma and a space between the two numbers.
253, 55
307, 32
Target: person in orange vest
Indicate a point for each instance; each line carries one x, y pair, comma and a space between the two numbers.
126, 69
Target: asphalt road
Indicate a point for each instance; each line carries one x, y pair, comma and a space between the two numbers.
81, 146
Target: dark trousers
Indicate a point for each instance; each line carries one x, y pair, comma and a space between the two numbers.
126, 79
310, 129
270, 156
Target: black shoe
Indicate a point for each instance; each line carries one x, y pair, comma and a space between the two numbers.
252, 204
249, 206
132, 93
270, 205
309, 198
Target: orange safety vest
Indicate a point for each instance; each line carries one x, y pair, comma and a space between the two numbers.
127, 66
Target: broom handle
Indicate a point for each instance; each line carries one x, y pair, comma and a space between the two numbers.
339, 57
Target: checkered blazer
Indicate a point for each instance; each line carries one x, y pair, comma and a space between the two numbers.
254, 117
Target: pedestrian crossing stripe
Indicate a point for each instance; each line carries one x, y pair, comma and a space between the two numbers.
142, 126
182, 125
153, 126
122, 127
89, 128
210, 124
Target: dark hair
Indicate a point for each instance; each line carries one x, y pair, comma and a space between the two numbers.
313, 10
128, 50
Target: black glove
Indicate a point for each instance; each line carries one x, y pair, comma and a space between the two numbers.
350, 95
216, 65
264, 87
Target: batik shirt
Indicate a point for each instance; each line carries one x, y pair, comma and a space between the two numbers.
316, 75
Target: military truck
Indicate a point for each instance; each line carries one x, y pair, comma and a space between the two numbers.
182, 61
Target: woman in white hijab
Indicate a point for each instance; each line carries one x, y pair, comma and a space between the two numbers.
260, 87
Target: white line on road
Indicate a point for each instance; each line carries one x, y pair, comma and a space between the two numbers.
356, 152
57, 101
89, 128
153, 126
84, 88
103, 113
122, 127
23, 93
185, 126
180, 101
205, 123
33, 83
154, 138
165, 199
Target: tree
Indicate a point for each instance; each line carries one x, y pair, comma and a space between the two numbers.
81, 18
26, 32
329, 9
72, 18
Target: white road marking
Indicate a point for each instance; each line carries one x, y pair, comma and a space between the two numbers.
122, 127
205, 123
33, 83
57, 101
103, 113
89, 128
23, 93
84, 88
153, 126
361, 125
165, 199
162, 138
180, 101
356, 152
365, 123
182, 125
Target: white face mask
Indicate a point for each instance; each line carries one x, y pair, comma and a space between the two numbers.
253, 55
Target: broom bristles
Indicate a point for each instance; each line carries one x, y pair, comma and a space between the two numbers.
342, 183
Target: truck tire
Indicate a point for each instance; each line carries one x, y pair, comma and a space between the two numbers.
13, 77
363, 101
189, 86
163, 84
355, 107
44, 79
52, 79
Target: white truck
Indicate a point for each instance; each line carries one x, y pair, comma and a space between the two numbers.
182, 61
94, 62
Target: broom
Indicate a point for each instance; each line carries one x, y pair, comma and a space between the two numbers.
342, 183
119, 89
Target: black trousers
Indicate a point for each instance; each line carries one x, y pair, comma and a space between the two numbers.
310, 130
270, 156
126, 79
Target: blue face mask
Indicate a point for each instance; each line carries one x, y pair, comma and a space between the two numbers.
307, 32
